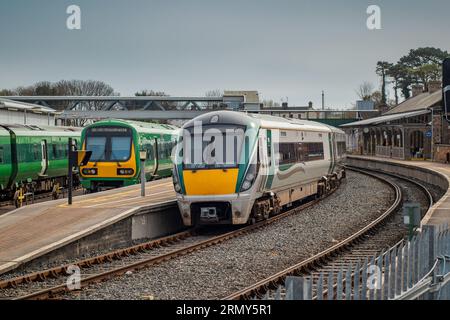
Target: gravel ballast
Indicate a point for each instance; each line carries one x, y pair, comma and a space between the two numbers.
218, 271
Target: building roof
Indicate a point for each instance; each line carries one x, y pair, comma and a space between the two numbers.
23, 106
420, 102
386, 118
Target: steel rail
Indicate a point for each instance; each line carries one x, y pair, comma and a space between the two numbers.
261, 287
60, 289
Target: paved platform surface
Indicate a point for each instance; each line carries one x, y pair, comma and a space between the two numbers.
31, 231
440, 212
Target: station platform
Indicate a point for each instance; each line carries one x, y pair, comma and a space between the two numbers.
439, 213
32, 231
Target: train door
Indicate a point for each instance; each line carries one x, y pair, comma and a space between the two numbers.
44, 158
152, 162
270, 159
332, 152
263, 158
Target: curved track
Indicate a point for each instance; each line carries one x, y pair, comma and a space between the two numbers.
50, 283
365, 243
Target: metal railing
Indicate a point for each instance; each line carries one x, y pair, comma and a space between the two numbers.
410, 270
390, 152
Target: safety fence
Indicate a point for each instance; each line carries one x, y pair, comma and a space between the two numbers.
414, 269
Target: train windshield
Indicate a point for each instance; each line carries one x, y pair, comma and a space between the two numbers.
212, 146
109, 143
120, 148
98, 147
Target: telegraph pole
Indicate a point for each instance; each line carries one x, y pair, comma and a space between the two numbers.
70, 173
323, 100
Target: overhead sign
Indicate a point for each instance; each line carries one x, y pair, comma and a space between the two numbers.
446, 87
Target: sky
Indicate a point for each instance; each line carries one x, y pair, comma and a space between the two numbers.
288, 50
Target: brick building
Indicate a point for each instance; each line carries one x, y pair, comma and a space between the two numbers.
414, 129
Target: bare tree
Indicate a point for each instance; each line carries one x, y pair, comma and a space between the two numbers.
216, 93
150, 93
365, 91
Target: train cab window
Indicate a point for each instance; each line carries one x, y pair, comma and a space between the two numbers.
1, 155
287, 153
109, 143
120, 148
98, 147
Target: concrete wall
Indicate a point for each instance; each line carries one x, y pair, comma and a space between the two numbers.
442, 153
149, 223
418, 173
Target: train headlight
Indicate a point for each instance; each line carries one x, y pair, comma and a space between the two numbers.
249, 178
125, 172
89, 171
176, 182
246, 185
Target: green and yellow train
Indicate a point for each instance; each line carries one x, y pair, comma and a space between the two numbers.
33, 159
115, 146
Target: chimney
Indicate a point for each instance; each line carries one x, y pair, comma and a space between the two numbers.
417, 89
434, 86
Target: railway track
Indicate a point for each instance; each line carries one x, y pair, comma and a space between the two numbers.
51, 283
361, 246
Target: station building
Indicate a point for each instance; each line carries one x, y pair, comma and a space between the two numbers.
414, 129
14, 112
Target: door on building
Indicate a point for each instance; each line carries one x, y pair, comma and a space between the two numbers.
417, 145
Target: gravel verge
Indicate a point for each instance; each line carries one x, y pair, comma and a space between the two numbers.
217, 271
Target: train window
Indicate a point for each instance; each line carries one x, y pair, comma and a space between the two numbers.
120, 148
1, 155
36, 152
54, 151
219, 146
98, 147
150, 152
314, 151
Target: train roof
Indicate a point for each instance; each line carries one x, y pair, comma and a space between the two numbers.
263, 121
38, 130
138, 125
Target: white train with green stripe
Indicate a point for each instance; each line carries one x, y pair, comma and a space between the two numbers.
237, 168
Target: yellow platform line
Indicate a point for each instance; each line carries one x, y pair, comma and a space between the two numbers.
115, 195
149, 197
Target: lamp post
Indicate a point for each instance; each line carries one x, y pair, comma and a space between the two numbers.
143, 157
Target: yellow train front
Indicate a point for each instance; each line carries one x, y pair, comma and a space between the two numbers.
235, 168
115, 146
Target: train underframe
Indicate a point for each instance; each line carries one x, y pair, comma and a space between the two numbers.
232, 209
23, 192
